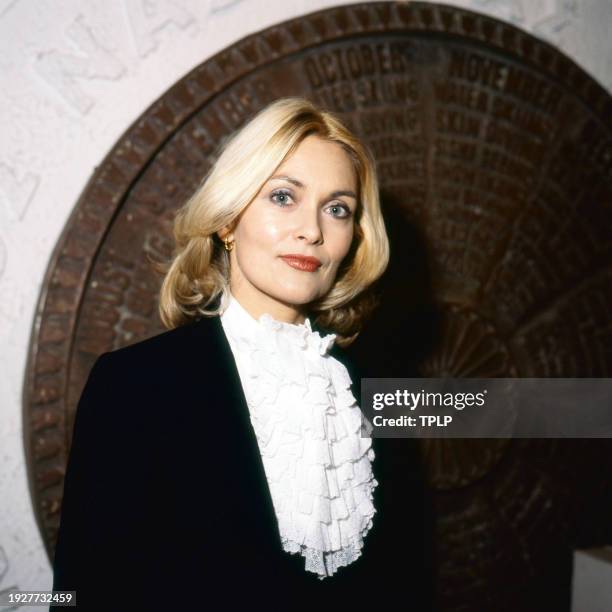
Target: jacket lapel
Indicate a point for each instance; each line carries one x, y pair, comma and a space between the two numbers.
237, 441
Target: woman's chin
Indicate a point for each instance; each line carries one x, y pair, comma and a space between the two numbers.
297, 297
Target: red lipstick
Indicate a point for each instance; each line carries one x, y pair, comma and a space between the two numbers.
302, 262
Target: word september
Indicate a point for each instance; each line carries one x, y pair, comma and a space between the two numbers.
413, 400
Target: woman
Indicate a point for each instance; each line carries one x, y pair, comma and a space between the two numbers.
222, 460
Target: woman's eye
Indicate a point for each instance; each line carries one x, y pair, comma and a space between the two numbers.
280, 197
340, 211
284, 198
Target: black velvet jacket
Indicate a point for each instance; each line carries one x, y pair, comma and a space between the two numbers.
166, 504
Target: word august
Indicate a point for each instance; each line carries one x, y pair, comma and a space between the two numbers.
421, 399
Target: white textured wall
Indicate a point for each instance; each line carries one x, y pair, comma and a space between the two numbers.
74, 75
592, 578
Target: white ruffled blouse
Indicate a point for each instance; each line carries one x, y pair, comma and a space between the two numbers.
307, 423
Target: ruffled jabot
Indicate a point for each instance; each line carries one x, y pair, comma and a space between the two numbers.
307, 423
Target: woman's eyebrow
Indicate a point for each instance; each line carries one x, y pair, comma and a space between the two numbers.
294, 181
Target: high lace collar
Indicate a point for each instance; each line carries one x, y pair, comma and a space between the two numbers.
248, 327
308, 427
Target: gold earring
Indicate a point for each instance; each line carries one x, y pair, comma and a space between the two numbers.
229, 245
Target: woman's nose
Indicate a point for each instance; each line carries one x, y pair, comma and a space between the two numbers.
309, 224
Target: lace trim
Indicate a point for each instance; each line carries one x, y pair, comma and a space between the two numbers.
307, 423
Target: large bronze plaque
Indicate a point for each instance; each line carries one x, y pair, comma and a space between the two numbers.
495, 157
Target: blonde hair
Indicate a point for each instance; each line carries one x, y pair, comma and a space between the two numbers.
196, 281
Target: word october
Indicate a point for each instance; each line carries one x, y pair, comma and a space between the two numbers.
413, 400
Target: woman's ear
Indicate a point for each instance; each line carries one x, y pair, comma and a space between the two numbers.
224, 233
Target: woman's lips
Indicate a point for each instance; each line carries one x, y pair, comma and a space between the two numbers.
306, 264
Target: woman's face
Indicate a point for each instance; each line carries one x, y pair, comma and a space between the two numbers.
306, 208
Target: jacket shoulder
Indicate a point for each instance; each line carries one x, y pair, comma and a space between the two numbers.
157, 370
164, 351
140, 384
